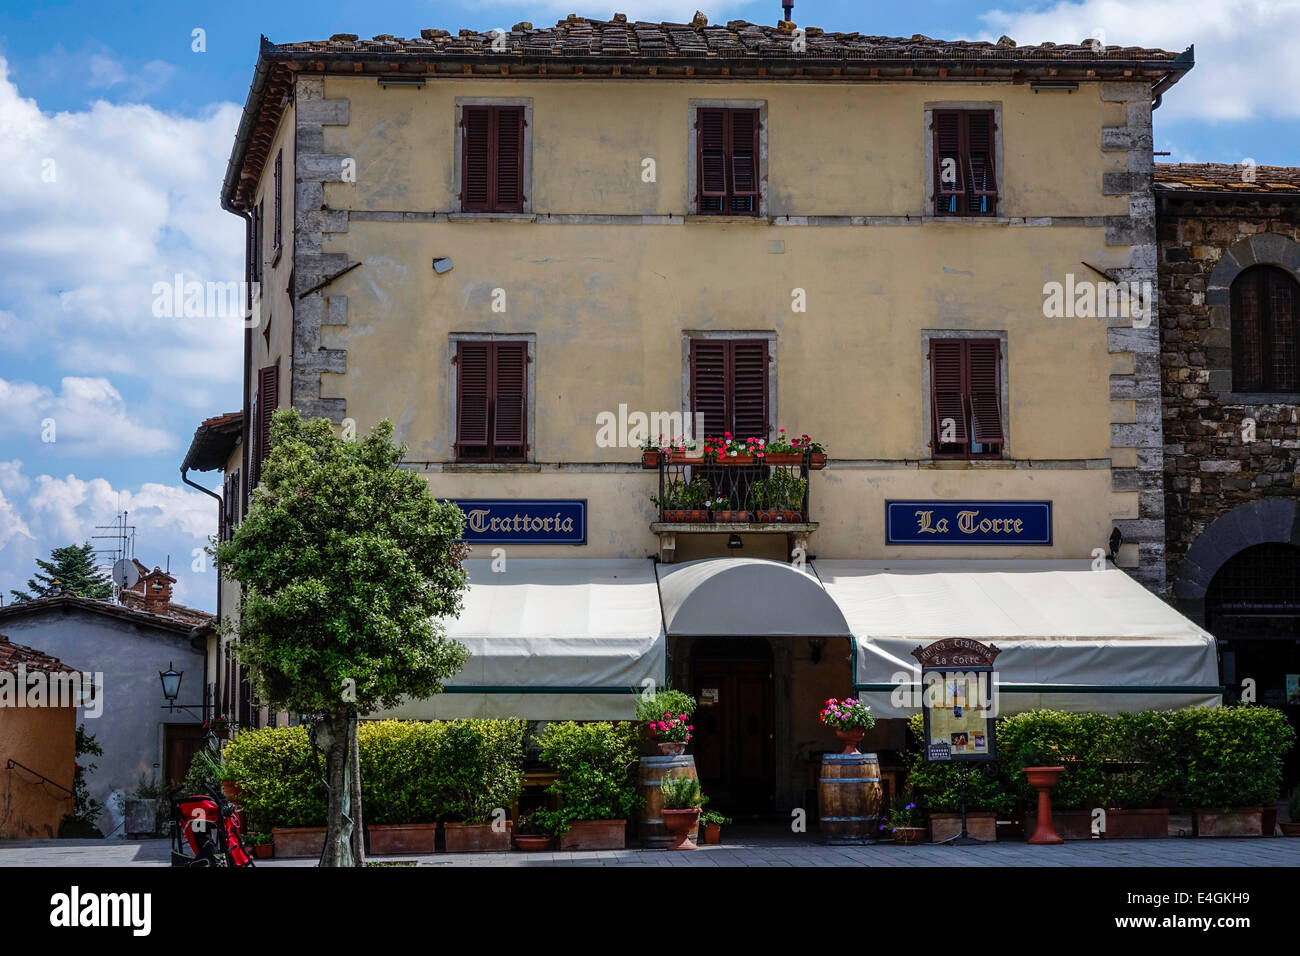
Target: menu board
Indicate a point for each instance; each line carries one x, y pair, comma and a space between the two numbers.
958, 703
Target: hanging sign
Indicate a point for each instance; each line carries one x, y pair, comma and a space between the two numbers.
968, 522
524, 521
959, 699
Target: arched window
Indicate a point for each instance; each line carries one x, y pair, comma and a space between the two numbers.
1265, 331
1256, 594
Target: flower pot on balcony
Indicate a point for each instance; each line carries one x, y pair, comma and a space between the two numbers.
685, 516
783, 458
736, 460
684, 457
769, 516
731, 517
791, 516
649, 460
817, 461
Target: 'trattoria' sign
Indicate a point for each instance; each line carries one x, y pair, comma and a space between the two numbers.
524, 521
968, 522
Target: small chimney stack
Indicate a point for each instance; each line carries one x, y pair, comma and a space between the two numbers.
787, 6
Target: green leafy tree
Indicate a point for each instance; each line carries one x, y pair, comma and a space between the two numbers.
70, 569
346, 562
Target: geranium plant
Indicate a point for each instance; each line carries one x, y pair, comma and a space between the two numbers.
847, 714
671, 729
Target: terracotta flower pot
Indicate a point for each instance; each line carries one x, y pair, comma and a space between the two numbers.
783, 458
817, 461
908, 836
682, 515
533, 842
649, 459
670, 748
850, 739
684, 457
263, 851
731, 517
232, 790
712, 834
1043, 779
736, 459
680, 823
791, 516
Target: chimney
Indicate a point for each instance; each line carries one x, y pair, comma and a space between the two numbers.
787, 6
158, 591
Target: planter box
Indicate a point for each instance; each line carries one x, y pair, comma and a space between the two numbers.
1237, 822
595, 835
774, 517
910, 836
783, 458
980, 825
681, 516
402, 838
1069, 824
1136, 825
1290, 829
817, 461
292, 842
477, 837
649, 460
686, 458
731, 517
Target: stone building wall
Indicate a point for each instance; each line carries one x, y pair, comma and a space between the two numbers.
1212, 466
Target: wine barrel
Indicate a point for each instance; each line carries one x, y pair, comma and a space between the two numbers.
849, 798
650, 775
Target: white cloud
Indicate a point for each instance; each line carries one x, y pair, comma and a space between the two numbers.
11, 522
1245, 49
87, 415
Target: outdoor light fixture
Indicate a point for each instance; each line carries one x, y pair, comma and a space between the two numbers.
171, 682
1053, 86
735, 542
441, 264
1116, 542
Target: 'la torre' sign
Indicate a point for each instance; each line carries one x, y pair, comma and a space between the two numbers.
968, 522
520, 521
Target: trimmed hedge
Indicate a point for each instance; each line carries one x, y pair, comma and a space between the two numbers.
411, 772
1207, 757
595, 765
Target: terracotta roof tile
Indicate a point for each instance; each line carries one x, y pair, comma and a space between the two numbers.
1222, 177
11, 655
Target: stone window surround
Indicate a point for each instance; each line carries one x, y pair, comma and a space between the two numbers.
453, 341
692, 154
1261, 249
526, 174
928, 138
689, 334
1004, 398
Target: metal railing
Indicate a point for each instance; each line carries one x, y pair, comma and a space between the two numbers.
697, 491
11, 763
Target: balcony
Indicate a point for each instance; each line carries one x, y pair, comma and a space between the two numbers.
734, 494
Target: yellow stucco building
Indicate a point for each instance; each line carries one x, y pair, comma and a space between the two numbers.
521, 246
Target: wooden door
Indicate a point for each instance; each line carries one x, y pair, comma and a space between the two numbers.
180, 743
734, 726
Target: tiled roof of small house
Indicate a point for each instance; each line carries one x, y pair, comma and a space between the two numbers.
583, 36
1174, 178
11, 655
213, 441
178, 619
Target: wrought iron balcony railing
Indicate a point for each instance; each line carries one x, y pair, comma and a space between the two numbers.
731, 491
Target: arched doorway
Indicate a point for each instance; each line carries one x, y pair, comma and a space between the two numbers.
1253, 607
735, 723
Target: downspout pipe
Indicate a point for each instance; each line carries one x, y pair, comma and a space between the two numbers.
221, 507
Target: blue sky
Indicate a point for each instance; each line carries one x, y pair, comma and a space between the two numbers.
114, 135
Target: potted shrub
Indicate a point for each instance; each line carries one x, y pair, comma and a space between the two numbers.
1141, 776
683, 802
405, 784
482, 777
259, 843
594, 764
1232, 766
1292, 828
665, 717
538, 830
904, 821
280, 780
937, 787
711, 824
850, 719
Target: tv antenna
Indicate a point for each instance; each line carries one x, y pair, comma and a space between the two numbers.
120, 553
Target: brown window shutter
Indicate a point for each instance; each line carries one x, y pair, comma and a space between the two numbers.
744, 160
509, 142
985, 387
947, 146
947, 399
712, 143
709, 385
476, 149
749, 389
236, 502
259, 226
473, 391
981, 171
508, 425
268, 399
279, 163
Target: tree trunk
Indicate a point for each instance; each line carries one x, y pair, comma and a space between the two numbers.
354, 785
336, 737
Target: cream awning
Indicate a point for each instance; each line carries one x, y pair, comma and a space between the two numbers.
1072, 638
552, 639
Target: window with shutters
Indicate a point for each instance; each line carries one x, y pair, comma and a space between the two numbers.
493, 163
966, 399
1265, 331
727, 141
229, 504
492, 388
256, 226
267, 400
729, 385
964, 149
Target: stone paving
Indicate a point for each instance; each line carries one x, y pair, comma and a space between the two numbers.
744, 851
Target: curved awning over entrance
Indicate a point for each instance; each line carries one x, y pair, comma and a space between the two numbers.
742, 597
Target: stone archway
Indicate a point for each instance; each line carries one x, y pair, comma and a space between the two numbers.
1257, 522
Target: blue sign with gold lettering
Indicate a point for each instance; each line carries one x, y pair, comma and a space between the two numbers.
531, 521
968, 522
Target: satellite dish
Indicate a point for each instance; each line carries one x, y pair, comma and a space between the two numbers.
125, 573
